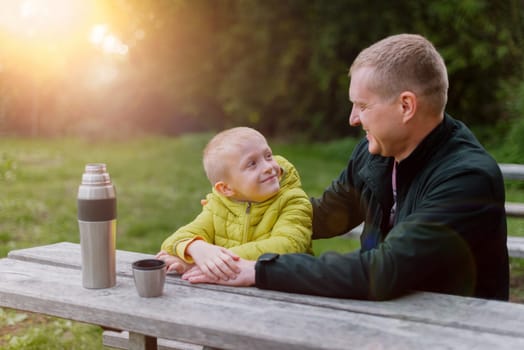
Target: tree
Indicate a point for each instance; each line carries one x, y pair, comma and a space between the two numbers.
279, 66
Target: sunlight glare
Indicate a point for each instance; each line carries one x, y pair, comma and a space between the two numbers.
97, 34
107, 42
42, 36
41, 17
28, 10
100, 75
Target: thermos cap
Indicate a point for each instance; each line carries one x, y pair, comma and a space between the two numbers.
95, 174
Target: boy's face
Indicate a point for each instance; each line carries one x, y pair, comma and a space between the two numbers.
253, 174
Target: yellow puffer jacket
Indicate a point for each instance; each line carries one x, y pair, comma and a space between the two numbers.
282, 224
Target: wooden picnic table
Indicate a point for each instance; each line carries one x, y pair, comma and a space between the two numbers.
47, 280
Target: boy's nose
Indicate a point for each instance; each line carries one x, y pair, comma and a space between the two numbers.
268, 167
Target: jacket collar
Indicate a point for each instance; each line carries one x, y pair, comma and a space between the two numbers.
424, 153
377, 172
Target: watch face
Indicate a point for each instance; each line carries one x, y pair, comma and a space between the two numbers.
268, 257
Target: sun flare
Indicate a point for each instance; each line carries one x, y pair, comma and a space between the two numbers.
43, 37
41, 19
109, 43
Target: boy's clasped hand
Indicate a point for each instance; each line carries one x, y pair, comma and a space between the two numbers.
215, 262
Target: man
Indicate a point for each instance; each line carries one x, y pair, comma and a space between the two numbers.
430, 196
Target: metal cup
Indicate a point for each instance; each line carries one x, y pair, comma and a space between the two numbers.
97, 224
149, 276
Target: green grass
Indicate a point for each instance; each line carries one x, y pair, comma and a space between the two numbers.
159, 183
20, 330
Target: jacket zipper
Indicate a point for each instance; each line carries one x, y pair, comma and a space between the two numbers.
246, 223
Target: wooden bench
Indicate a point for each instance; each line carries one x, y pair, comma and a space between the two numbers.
120, 340
512, 171
514, 210
47, 280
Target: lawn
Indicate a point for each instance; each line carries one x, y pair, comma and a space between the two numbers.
159, 183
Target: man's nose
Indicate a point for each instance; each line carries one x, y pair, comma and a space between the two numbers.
354, 118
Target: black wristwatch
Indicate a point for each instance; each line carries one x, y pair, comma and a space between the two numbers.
268, 257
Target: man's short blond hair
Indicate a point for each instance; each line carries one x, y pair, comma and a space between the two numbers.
226, 143
406, 62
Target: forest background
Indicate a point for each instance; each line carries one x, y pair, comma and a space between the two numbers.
126, 80
123, 68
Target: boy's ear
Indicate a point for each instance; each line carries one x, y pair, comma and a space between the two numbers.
224, 189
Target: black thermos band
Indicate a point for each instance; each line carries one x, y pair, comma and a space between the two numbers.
97, 209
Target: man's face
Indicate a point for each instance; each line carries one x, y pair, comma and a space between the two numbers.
379, 118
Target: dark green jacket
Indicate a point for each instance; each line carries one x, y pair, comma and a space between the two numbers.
449, 234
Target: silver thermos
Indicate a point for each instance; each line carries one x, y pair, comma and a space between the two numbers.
97, 224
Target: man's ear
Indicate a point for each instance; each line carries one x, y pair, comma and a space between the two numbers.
224, 189
408, 104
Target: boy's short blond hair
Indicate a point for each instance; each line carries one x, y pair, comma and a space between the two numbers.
226, 143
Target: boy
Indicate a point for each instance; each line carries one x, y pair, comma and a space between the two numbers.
257, 205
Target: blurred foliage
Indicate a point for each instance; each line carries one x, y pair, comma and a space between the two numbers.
29, 331
280, 66
515, 105
7, 167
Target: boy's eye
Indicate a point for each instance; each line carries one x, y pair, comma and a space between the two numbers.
269, 156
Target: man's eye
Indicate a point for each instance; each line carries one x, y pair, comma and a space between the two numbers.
360, 106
